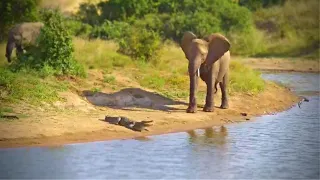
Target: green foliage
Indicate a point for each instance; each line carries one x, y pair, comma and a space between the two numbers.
294, 31
28, 87
88, 13
244, 79
77, 28
96, 90
141, 44
248, 43
16, 11
122, 9
54, 51
110, 30
258, 4
109, 79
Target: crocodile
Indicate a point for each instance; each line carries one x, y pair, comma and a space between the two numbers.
126, 122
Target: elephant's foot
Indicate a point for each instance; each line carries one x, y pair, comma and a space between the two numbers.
224, 106
192, 109
208, 109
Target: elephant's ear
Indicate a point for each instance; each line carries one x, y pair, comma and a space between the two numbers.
186, 43
202, 46
218, 45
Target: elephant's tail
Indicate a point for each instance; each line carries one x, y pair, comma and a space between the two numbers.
215, 87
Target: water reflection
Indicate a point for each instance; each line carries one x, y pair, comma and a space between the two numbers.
209, 136
285, 145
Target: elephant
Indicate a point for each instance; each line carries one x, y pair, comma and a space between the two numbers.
208, 58
21, 36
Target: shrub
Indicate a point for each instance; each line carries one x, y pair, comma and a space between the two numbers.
141, 44
248, 43
109, 30
77, 28
293, 29
255, 5
123, 9
55, 48
88, 13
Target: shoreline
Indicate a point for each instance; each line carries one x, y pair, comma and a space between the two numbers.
79, 121
164, 122
282, 64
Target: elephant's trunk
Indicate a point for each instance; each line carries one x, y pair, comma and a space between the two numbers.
194, 65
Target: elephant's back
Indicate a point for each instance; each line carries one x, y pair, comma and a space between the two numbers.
28, 31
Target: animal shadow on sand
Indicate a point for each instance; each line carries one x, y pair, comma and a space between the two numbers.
129, 98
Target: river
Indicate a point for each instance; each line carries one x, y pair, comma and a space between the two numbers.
284, 145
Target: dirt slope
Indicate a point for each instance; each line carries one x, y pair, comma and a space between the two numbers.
79, 119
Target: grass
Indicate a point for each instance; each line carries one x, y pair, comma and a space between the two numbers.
28, 87
99, 54
291, 30
244, 79
109, 79
168, 75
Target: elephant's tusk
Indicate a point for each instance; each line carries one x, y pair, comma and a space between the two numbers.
198, 72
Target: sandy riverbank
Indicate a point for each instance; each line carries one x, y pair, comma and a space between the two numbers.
45, 127
78, 120
282, 64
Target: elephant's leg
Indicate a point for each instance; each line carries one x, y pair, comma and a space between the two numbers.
209, 106
224, 93
9, 49
19, 50
193, 91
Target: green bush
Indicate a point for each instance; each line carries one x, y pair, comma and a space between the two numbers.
255, 5
293, 29
248, 43
54, 51
141, 44
109, 30
77, 28
88, 13
123, 9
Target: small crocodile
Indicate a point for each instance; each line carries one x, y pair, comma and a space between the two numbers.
126, 122
9, 117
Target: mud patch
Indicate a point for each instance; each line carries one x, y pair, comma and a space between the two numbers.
129, 98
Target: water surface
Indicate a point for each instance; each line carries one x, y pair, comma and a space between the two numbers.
285, 145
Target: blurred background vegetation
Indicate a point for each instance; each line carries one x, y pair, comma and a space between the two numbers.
255, 28
145, 35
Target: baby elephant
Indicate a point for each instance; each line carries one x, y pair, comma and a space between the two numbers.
208, 58
22, 35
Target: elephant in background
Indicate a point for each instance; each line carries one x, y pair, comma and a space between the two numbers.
208, 58
21, 36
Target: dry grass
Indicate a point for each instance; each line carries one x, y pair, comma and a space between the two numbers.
99, 54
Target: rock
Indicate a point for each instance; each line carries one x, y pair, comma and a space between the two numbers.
244, 114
